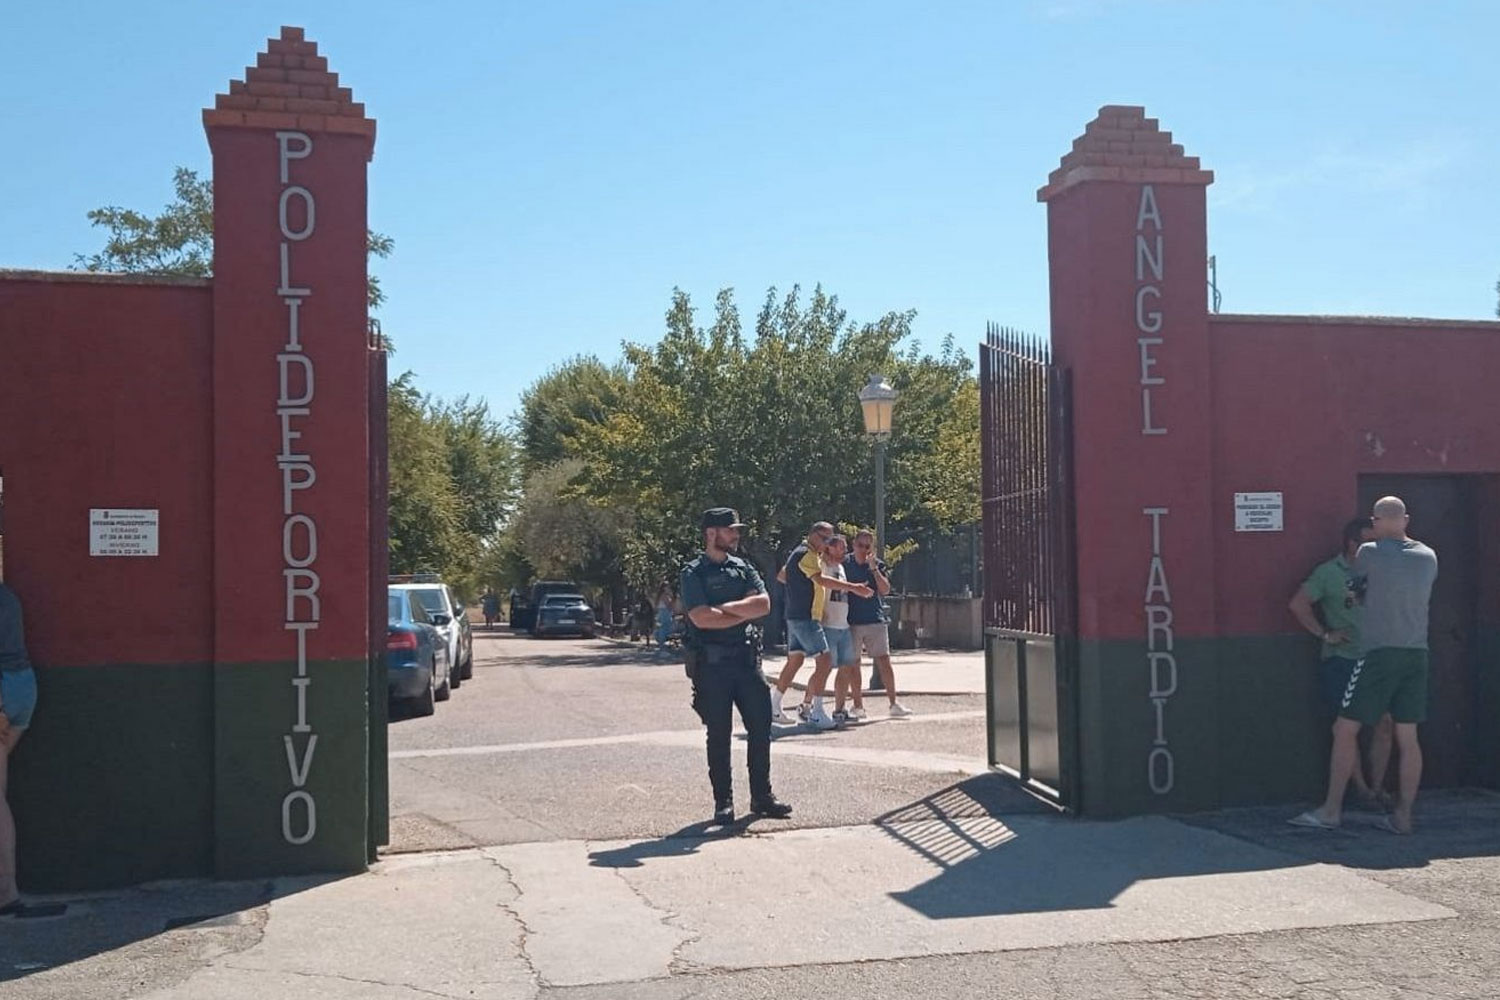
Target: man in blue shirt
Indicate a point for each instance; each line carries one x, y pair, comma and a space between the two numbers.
721, 595
867, 618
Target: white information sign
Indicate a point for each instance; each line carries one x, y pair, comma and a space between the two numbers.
1257, 512
122, 531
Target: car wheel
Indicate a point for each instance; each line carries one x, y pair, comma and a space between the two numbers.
424, 704
588, 634
468, 671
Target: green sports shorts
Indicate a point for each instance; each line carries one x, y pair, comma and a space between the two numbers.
1387, 680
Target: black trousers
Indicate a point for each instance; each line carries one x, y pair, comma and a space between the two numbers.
720, 687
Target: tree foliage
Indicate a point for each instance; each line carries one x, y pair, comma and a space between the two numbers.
178, 241
181, 239
767, 422
564, 533
579, 392
452, 486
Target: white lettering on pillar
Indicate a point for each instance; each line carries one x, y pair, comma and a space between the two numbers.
1161, 659
296, 387
1148, 317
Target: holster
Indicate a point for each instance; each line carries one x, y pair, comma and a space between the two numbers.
692, 661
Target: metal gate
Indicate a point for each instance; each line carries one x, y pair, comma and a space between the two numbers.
1030, 586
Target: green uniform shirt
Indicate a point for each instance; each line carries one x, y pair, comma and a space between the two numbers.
706, 583
1335, 590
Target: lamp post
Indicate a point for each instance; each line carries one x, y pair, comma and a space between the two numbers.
877, 400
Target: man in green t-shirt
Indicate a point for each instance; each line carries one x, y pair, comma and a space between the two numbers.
1330, 605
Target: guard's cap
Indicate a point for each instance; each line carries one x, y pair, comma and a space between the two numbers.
722, 517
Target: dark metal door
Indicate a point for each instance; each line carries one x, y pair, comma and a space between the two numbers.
1029, 565
1442, 510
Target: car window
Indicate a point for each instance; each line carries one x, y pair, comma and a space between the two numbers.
393, 607
418, 613
432, 600
565, 599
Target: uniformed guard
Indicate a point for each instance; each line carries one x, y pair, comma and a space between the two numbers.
722, 594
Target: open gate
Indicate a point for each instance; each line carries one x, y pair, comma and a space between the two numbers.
1030, 576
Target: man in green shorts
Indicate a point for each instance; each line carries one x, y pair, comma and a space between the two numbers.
1330, 605
1399, 573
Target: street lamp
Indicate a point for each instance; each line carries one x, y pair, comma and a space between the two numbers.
878, 400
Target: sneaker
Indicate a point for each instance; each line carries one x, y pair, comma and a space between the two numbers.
858, 714
771, 807
803, 711
840, 717
900, 711
777, 715
818, 718
723, 814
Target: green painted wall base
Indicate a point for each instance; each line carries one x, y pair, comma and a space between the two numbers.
132, 773
1243, 726
270, 817
113, 782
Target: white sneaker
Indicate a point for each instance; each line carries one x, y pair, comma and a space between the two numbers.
900, 711
858, 714
802, 711
818, 718
778, 714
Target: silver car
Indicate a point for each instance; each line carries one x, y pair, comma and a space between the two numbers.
452, 624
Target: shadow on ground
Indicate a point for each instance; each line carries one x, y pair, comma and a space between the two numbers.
988, 867
680, 844
98, 923
1452, 823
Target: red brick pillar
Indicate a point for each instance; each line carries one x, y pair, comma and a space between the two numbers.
291, 457
1127, 246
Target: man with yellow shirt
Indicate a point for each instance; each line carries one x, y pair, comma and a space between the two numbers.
807, 587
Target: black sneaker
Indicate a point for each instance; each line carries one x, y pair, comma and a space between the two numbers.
723, 814
771, 807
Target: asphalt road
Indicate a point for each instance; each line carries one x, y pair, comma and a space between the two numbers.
560, 739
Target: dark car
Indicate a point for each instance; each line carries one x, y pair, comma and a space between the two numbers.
416, 655
564, 614
523, 614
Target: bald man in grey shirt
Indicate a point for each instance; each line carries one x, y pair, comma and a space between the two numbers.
1399, 573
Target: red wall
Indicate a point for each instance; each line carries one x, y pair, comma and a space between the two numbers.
1307, 405
105, 402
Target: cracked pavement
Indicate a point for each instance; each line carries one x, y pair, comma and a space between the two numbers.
549, 843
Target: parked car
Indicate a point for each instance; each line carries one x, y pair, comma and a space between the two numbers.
524, 613
416, 655
564, 614
450, 620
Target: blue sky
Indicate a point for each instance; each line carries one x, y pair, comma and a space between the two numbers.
550, 170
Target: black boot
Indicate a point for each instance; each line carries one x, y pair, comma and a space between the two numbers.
771, 807
723, 813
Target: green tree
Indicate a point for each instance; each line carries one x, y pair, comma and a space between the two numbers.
426, 513
562, 533
771, 425
178, 241
554, 410
181, 239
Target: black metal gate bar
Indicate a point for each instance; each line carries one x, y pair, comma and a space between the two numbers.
1029, 579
